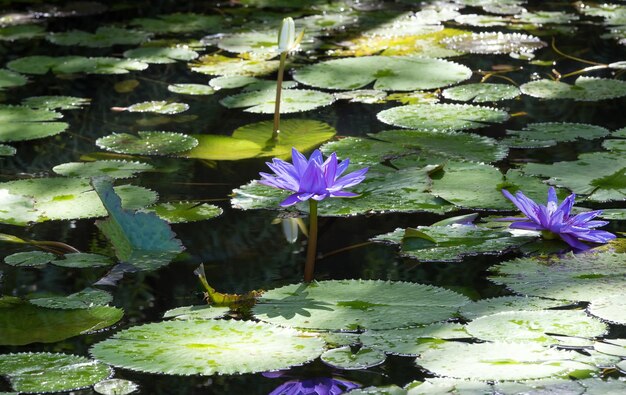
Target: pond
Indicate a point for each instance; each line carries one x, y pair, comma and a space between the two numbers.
142, 254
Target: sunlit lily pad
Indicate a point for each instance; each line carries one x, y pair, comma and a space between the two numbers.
596, 386
183, 212
161, 55
110, 168
198, 312
546, 17
56, 102
21, 32
482, 20
85, 299
221, 65
83, 260
23, 323
368, 96
451, 243
387, 73
344, 358
412, 342
29, 258
9, 79
75, 64
443, 385
584, 89
259, 43
158, 107
442, 117
7, 150
104, 36
147, 143
541, 386
575, 277
481, 93
20, 123
16, 209
115, 387
536, 135
499, 361
292, 100
507, 303
179, 23
207, 347
494, 43
612, 309
357, 304
46, 372
614, 214
615, 347
191, 89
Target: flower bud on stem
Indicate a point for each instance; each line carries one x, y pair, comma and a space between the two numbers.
279, 87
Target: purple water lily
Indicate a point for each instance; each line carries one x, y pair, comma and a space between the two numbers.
315, 386
312, 178
554, 220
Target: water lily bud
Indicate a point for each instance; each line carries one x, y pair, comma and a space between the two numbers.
287, 35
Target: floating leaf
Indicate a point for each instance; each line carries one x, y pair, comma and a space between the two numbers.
494, 43
536, 135
16, 209
161, 55
115, 387
611, 347
368, 96
110, 168
201, 312
20, 123
183, 212
442, 117
615, 214
56, 102
292, 100
344, 358
104, 36
23, 323
85, 299
82, 260
7, 150
251, 347
611, 309
29, 258
141, 239
507, 303
159, 107
541, 386
21, 32
482, 20
9, 79
584, 89
148, 143
356, 304
388, 73
75, 64
179, 23
47, 372
596, 386
575, 277
480, 93
451, 243
259, 43
222, 65
191, 89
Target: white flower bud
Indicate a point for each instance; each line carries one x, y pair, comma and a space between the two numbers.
287, 35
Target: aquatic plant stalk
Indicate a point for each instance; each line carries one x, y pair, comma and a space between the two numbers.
309, 266
279, 88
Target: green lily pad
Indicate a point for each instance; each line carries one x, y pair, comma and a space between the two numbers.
191, 89
356, 304
9, 79
499, 361
201, 312
179, 23
161, 55
535, 326
16, 209
584, 89
615, 214
442, 385
207, 347
610, 348
494, 43
536, 135
47, 372
83, 260
21, 32
442, 117
233, 81
596, 386
482, 20
7, 150
546, 17
148, 143
85, 299
575, 277
75, 64
29, 258
158, 107
481, 93
254, 140
599, 175
221, 65
23, 323
115, 387
183, 212
261, 44
367, 96
141, 239
292, 100
20, 123
506, 304
611, 309
104, 36
541, 386
451, 243
56, 102
344, 358
387, 73
110, 168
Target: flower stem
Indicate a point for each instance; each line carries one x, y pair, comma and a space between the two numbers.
279, 88
309, 266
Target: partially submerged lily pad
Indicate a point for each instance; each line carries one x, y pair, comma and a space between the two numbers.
235, 347
480, 93
183, 212
292, 100
148, 143
85, 299
494, 43
584, 89
110, 168
47, 372
344, 358
159, 107
546, 134
356, 304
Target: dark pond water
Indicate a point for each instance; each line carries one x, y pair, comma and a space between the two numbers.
245, 250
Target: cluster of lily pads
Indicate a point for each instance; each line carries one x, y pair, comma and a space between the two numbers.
557, 324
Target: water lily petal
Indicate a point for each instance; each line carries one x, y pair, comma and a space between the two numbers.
574, 242
349, 180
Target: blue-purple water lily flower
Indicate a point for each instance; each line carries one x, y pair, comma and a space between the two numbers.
312, 178
555, 220
315, 386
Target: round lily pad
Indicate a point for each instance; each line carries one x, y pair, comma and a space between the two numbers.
292, 100
611, 309
259, 43
110, 168
611, 348
21, 32
83, 260
541, 386
480, 93
115, 387
161, 55
387, 73
148, 143
442, 117
9, 79
207, 347
47, 372
191, 89
85, 299
183, 212
104, 36
159, 107
29, 258
222, 65
16, 209
75, 64
199, 312
20, 123
494, 43
584, 89
546, 134
356, 304
507, 303
411, 342
344, 358
179, 23
56, 102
